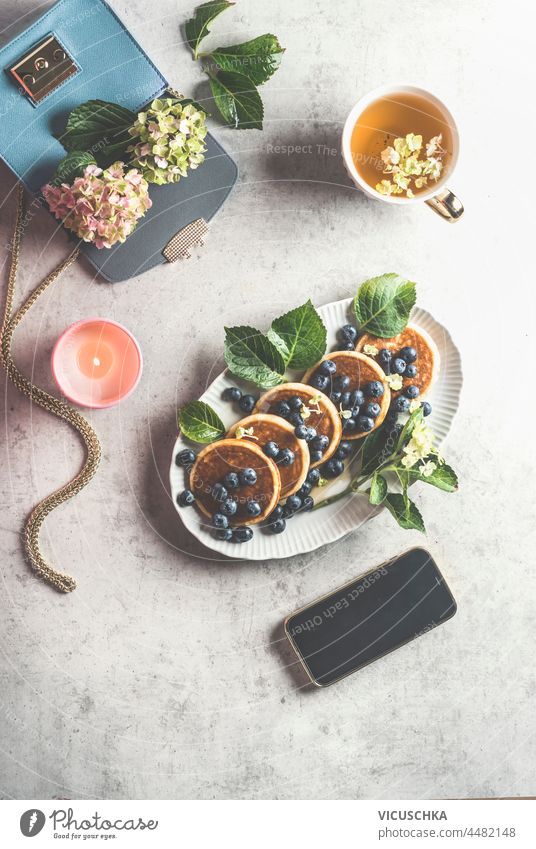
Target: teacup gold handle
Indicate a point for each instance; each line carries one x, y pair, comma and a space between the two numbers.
447, 205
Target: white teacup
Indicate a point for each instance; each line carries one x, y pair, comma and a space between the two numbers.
441, 199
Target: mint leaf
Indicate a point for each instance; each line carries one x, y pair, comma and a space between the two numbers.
299, 336
383, 304
444, 477
404, 511
238, 100
197, 27
249, 354
258, 59
378, 489
200, 423
73, 165
100, 128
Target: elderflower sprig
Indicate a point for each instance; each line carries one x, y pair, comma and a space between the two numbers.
402, 161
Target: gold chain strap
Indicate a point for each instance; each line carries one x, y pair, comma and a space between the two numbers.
59, 408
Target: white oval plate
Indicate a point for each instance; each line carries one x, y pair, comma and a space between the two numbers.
311, 530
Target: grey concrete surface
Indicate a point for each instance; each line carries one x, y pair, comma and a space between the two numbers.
165, 675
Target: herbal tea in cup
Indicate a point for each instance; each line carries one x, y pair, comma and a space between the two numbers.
400, 145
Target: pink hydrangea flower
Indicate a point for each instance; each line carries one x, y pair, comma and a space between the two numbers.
102, 207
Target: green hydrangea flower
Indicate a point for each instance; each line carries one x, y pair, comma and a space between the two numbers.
169, 139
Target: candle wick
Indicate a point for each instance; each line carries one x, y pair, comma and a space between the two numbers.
96, 361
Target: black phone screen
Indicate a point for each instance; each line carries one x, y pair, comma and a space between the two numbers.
371, 616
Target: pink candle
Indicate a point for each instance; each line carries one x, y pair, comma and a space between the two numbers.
96, 362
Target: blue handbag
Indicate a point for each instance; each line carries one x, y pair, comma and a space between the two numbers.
79, 50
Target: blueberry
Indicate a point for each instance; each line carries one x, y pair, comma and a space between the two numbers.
411, 371
320, 443
295, 403
365, 423
333, 468
320, 381
229, 507
225, 534
301, 431
398, 366
384, 358
344, 450
248, 477
295, 419
372, 410
276, 513
232, 393
412, 391
426, 408
287, 512
401, 404
231, 480
294, 502
283, 409
311, 434
220, 521
308, 503
247, 402
253, 508
219, 493
357, 398
349, 425
316, 456
242, 534
335, 397
271, 449
278, 526
327, 367
345, 400
374, 388
355, 412
408, 354
185, 498
341, 382
348, 333
347, 346
185, 457
313, 477
285, 457
305, 489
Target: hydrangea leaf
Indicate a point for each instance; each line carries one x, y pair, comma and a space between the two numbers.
378, 489
200, 423
405, 511
300, 336
238, 100
249, 354
100, 128
383, 304
198, 27
73, 165
258, 59
443, 477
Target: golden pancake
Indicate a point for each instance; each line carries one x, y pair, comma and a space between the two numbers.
361, 370
323, 415
234, 455
427, 361
266, 428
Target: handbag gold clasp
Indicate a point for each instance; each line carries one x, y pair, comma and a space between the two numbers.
44, 68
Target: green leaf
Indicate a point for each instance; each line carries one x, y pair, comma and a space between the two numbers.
197, 27
238, 100
383, 304
300, 336
258, 59
73, 165
404, 511
249, 354
378, 489
444, 477
409, 427
200, 423
100, 128
378, 446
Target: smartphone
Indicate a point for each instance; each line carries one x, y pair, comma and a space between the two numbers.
370, 617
